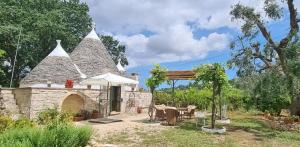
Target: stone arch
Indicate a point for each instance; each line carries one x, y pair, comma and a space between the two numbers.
73, 103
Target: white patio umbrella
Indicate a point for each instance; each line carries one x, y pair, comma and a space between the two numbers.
109, 79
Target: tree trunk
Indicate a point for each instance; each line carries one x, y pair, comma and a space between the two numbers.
151, 107
213, 111
220, 101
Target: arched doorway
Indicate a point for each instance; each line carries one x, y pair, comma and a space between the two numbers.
72, 104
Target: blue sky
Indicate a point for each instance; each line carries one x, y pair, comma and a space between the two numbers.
177, 34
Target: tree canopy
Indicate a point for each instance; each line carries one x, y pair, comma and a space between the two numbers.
252, 54
115, 49
41, 23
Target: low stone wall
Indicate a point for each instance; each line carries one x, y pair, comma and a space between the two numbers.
42, 98
8, 104
140, 99
30, 101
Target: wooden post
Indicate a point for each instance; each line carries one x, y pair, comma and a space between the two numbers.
173, 92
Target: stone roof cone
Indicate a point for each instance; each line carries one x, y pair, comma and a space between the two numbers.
56, 68
92, 57
120, 67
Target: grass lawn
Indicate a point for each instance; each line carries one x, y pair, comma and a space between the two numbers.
246, 129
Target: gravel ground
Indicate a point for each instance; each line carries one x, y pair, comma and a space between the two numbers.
130, 124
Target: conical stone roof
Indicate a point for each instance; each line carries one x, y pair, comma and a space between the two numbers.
120, 67
56, 68
92, 57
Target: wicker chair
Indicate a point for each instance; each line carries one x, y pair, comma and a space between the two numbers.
190, 111
160, 112
172, 115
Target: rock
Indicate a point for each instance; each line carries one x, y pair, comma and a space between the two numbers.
285, 112
108, 145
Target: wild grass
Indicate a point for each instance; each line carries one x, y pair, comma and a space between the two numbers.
62, 135
246, 129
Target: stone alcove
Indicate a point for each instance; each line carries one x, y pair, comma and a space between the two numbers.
72, 104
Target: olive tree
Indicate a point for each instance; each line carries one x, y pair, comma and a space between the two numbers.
158, 76
212, 76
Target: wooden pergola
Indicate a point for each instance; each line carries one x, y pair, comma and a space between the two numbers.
179, 75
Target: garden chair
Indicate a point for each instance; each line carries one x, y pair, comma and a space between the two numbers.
171, 115
190, 111
200, 118
160, 112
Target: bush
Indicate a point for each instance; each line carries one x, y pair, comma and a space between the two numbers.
192, 96
51, 115
60, 135
5, 123
24, 122
272, 93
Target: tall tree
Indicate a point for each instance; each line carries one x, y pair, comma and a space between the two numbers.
41, 23
158, 76
252, 54
212, 76
115, 49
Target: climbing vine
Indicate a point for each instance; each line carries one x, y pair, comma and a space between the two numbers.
212, 75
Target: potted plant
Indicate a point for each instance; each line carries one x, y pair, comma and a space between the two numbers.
95, 114
85, 114
69, 84
139, 109
77, 117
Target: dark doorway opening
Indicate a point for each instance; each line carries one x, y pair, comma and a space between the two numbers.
115, 95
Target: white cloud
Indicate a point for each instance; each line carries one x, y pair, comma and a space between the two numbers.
175, 44
172, 39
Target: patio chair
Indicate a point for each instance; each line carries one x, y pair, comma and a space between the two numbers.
171, 115
190, 111
160, 112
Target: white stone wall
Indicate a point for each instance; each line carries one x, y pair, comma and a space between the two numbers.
141, 99
30, 101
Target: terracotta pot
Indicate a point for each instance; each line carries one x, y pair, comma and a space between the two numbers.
77, 118
95, 115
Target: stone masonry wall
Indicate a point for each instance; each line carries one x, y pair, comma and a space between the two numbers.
30, 101
42, 98
8, 103
141, 99
22, 97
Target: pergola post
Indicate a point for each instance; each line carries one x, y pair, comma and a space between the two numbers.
173, 91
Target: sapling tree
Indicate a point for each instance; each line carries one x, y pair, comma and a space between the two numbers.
212, 76
158, 76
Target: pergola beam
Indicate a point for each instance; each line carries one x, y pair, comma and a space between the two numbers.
181, 75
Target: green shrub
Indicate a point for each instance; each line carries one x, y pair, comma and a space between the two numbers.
5, 123
24, 122
272, 93
52, 114
60, 135
191, 96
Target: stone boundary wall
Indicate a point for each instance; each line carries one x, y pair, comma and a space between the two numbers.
30, 101
8, 102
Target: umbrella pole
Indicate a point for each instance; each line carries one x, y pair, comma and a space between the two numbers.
99, 100
107, 98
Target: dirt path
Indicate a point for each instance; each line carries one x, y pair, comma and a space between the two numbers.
129, 125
